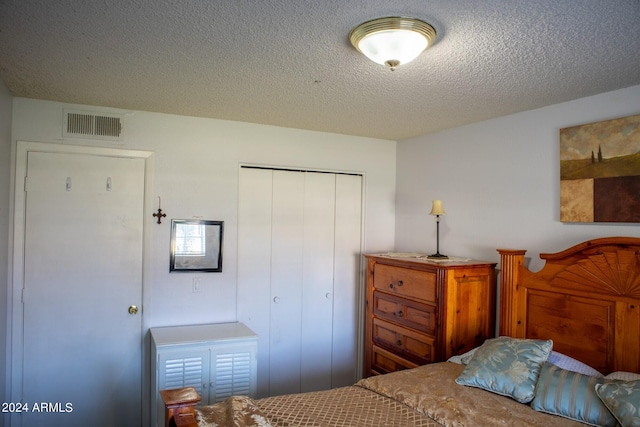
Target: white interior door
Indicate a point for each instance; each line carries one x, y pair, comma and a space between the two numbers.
83, 271
299, 236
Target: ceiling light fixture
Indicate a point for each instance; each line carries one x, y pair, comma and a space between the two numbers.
392, 41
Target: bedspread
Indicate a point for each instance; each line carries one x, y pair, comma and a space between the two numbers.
426, 396
351, 406
431, 390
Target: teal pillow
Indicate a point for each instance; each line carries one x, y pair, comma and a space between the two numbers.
507, 366
571, 395
623, 400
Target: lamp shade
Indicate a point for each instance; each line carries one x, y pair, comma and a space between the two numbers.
436, 208
393, 40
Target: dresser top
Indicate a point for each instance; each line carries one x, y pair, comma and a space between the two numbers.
199, 333
420, 258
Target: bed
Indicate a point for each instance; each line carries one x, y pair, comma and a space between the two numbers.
567, 354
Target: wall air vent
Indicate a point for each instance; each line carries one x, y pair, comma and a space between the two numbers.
82, 124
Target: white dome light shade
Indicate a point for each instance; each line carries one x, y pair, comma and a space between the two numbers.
393, 45
392, 41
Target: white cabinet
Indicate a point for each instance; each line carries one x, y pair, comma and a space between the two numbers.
218, 360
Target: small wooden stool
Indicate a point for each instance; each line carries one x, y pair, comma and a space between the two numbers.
180, 405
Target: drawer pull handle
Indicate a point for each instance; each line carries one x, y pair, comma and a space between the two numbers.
398, 313
400, 283
399, 342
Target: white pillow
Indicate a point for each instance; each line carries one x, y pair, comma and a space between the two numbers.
624, 376
462, 359
570, 364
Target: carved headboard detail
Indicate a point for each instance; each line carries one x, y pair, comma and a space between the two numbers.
616, 273
586, 298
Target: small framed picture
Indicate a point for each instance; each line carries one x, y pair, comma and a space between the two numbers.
196, 245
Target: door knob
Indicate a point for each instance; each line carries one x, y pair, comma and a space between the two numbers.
133, 310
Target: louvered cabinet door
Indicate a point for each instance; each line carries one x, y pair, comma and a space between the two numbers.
216, 371
182, 368
233, 371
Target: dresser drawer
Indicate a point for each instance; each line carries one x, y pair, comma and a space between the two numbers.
413, 314
405, 282
413, 345
383, 361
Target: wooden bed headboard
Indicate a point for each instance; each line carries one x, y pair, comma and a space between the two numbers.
585, 298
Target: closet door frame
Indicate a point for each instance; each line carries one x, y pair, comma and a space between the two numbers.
248, 311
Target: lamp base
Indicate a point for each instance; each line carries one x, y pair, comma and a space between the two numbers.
437, 256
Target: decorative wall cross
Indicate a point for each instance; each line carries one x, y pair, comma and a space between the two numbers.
159, 214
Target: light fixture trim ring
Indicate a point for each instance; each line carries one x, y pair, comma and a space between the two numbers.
392, 23
373, 37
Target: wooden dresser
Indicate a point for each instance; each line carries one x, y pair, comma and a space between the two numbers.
419, 311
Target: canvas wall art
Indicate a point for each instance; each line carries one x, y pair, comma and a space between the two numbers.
600, 171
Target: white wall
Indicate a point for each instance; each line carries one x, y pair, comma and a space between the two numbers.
196, 167
499, 182
5, 179
196, 175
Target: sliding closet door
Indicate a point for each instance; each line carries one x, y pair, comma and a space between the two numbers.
287, 246
298, 276
317, 281
346, 272
254, 262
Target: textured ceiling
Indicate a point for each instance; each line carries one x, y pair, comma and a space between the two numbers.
289, 62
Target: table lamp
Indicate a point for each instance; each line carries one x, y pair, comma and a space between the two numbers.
437, 210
